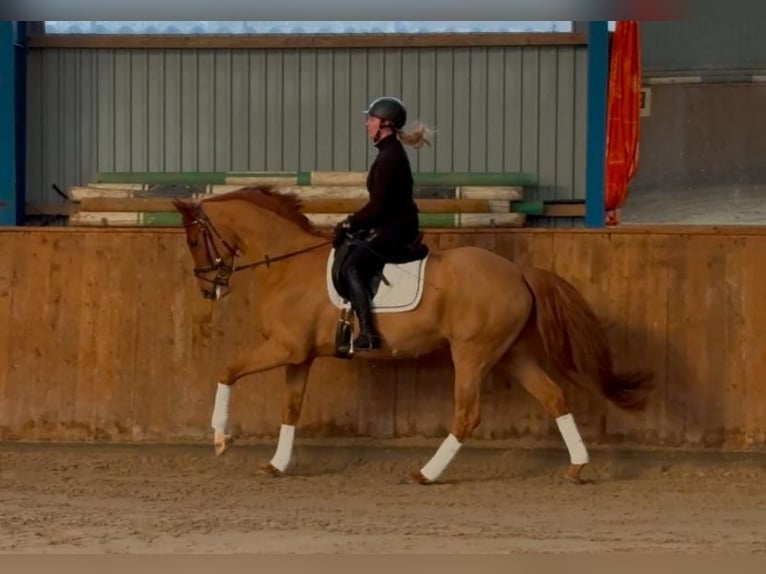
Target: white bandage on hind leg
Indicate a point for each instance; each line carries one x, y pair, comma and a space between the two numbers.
220, 418
443, 456
284, 448
578, 454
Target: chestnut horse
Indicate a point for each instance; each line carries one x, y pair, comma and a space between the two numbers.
526, 323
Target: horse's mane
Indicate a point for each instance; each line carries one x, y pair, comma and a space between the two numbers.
286, 205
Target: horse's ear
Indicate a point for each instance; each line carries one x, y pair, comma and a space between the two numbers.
183, 208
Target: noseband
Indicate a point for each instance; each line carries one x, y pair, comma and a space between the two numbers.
223, 270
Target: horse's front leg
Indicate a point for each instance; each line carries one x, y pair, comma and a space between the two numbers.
296, 378
268, 355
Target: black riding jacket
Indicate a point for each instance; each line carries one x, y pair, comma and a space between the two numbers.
391, 209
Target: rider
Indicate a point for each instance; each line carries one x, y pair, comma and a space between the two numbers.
389, 220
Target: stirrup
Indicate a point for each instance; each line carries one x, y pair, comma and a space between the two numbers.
344, 336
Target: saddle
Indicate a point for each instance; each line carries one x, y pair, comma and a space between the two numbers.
414, 251
408, 273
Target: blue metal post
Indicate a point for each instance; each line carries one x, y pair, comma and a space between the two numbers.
21, 121
598, 83
7, 124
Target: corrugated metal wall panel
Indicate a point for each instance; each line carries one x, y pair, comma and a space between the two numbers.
518, 108
700, 45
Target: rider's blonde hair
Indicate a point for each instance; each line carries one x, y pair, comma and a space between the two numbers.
417, 137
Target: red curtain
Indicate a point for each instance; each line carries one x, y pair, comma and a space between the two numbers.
623, 116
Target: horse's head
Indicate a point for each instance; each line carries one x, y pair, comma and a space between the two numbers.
212, 253
255, 222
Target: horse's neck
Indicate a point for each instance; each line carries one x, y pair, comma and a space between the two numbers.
260, 235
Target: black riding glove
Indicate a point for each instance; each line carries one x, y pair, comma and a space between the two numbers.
340, 233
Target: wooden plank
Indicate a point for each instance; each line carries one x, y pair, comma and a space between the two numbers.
422, 179
311, 205
152, 329
126, 190
140, 190
294, 41
126, 205
695, 283
27, 380
736, 395
750, 315
488, 192
356, 178
8, 268
173, 219
554, 209
440, 220
106, 356
121, 201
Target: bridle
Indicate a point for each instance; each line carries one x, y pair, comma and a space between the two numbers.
223, 270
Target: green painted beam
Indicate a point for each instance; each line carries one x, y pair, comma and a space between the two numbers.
528, 207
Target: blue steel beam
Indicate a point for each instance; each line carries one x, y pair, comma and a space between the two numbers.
21, 121
7, 125
598, 81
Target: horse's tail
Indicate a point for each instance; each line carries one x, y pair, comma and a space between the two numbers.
577, 344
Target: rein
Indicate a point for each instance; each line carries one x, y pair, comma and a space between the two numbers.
267, 261
223, 270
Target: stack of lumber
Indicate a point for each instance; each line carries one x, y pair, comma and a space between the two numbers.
445, 200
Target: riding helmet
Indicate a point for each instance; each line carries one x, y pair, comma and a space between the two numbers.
389, 109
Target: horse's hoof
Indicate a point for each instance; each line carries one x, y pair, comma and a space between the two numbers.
572, 475
272, 470
222, 443
420, 479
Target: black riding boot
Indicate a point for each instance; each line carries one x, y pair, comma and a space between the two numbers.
368, 338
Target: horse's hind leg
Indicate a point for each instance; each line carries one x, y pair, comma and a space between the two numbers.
296, 379
526, 369
471, 366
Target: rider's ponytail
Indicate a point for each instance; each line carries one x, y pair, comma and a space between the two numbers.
417, 137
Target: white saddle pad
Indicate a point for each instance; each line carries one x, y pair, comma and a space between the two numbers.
403, 293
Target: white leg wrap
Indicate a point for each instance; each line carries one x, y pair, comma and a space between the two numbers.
220, 418
444, 455
284, 448
578, 454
